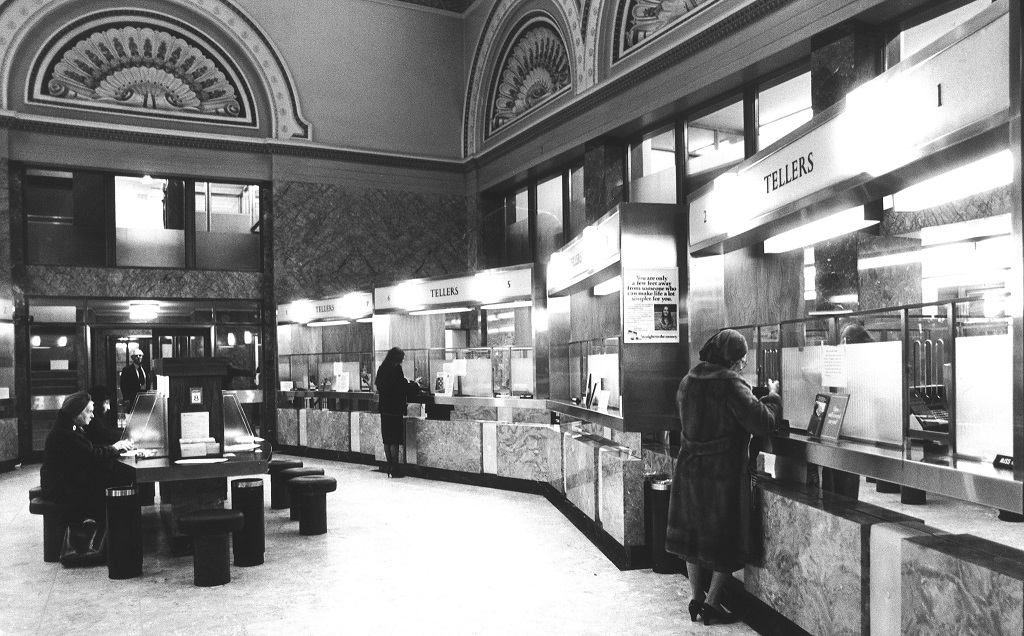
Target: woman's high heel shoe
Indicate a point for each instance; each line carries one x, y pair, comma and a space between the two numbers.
696, 607
714, 616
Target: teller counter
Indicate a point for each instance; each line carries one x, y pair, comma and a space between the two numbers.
591, 471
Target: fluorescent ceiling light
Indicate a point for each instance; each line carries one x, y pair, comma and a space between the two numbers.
328, 323
509, 305
832, 226
980, 176
889, 260
449, 310
966, 230
143, 310
367, 319
609, 286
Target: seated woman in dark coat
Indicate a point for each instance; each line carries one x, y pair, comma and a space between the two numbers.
710, 496
76, 472
393, 393
100, 430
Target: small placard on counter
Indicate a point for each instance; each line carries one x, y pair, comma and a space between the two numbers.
834, 417
1003, 461
195, 424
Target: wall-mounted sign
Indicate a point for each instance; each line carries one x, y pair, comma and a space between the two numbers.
650, 305
882, 126
348, 307
593, 250
833, 366
483, 288
196, 395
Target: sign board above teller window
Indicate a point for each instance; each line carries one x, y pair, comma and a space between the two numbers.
878, 129
483, 288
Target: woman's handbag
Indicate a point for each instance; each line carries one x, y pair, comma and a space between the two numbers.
77, 550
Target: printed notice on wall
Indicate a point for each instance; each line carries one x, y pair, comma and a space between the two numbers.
650, 305
833, 367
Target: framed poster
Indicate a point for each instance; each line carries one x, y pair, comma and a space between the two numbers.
834, 416
650, 305
818, 414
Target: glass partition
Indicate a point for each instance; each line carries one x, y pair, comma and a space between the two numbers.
146, 425
984, 381
934, 380
238, 435
594, 367
344, 372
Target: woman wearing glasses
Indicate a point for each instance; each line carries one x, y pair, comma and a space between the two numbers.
711, 485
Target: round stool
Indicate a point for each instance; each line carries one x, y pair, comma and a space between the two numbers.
289, 474
312, 491
278, 493
35, 491
249, 543
54, 525
211, 560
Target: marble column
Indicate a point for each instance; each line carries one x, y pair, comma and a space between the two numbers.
603, 176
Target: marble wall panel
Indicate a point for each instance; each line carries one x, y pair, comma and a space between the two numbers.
328, 430
451, 445
530, 452
886, 563
621, 497
528, 416
370, 442
960, 584
372, 235
632, 441
8, 439
657, 459
814, 572
127, 282
483, 413
288, 427
580, 466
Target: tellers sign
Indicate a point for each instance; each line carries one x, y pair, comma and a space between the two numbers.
483, 288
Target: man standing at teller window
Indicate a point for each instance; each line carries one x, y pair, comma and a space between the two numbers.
134, 379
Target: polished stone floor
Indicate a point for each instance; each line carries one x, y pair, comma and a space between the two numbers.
401, 556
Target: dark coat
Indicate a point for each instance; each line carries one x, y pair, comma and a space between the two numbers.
75, 471
708, 516
131, 385
393, 390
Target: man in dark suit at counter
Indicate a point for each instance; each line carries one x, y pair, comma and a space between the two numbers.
134, 379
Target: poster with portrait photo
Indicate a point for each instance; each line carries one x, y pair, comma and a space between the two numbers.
650, 303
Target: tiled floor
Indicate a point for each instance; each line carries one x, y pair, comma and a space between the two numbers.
402, 556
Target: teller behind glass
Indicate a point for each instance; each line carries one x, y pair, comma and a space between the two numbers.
709, 509
393, 394
76, 473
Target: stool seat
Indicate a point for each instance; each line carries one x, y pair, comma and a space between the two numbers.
291, 473
212, 521
277, 465
278, 493
54, 524
312, 484
35, 491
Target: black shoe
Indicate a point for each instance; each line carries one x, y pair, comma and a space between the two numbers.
397, 472
715, 616
696, 607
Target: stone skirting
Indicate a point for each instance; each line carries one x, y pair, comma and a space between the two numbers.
602, 477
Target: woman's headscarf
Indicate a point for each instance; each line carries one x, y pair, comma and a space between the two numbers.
724, 348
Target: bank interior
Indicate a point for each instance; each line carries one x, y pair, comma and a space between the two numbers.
838, 181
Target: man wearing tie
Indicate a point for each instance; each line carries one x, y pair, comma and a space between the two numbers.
134, 379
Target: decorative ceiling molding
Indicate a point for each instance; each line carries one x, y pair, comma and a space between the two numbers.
142, 65
534, 69
19, 17
489, 51
638, 22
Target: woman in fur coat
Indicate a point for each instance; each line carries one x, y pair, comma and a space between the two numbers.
710, 495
